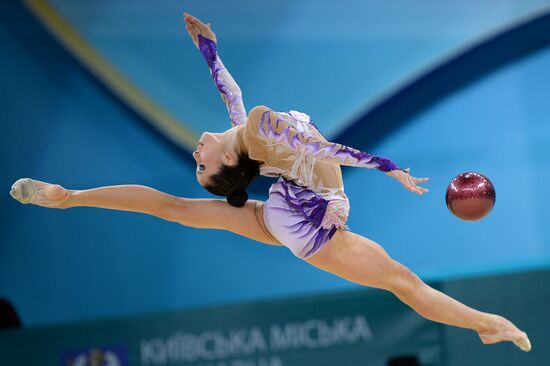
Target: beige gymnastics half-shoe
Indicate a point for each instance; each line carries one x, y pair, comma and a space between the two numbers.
27, 190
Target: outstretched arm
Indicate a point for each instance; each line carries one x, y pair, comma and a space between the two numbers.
275, 128
205, 40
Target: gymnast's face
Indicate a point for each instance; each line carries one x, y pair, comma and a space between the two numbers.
212, 151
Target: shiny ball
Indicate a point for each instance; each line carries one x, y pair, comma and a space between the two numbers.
470, 196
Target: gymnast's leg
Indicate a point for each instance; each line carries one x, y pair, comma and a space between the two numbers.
347, 255
362, 261
201, 213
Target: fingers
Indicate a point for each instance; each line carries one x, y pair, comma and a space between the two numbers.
410, 183
189, 28
190, 18
193, 31
416, 189
193, 34
194, 21
198, 27
190, 22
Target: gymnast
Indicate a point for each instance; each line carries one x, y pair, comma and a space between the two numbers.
306, 210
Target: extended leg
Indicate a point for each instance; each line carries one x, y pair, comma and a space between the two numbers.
201, 213
362, 261
132, 198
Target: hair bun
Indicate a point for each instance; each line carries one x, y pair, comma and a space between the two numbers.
237, 199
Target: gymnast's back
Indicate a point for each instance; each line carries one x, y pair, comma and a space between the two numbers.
276, 141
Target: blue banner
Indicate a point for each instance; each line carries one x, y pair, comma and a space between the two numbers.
362, 328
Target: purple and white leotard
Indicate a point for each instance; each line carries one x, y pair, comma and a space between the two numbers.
307, 204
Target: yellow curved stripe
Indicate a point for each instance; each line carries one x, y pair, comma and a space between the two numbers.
123, 88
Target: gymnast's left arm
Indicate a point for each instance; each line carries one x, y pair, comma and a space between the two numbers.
274, 128
205, 40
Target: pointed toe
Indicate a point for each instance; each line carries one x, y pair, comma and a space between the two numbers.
24, 190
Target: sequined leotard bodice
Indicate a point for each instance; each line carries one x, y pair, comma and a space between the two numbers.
261, 142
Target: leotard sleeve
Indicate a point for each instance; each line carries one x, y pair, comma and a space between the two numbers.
229, 90
276, 130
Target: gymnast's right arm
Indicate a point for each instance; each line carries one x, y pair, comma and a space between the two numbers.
205, 40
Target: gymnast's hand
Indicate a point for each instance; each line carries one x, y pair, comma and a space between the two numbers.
408, 181
195, 27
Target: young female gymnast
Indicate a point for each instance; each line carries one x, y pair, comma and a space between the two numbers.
306, 209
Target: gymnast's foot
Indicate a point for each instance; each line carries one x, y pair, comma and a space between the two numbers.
505, 330
39, 193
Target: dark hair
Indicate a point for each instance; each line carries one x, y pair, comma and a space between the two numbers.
231, 181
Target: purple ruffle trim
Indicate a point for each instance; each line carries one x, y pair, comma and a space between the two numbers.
313, 209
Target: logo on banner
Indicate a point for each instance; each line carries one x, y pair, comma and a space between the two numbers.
96, 356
